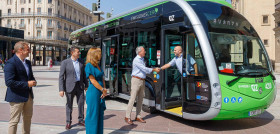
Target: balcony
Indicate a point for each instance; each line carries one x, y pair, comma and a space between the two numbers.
21, 26
65, 28
71, 30
63, 39
8, 25
50, 26
42, 14
38, 25
50, 37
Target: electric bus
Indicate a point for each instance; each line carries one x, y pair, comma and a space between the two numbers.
235, 77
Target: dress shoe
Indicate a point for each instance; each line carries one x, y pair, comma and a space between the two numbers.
82, 123
140, 120
68, 126
128, 121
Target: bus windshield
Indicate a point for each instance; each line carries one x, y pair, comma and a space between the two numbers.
237, 47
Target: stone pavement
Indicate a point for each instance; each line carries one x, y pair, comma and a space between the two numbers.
49, 114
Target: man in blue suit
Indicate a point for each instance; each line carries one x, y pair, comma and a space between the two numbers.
19, 79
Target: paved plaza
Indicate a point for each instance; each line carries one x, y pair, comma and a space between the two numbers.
49, 114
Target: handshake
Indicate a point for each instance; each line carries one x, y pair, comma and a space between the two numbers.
156, 69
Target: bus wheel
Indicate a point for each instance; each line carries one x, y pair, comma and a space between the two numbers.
149, 109
149, 96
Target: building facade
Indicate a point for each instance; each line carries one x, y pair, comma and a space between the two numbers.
260, 14
277, 34
47, 21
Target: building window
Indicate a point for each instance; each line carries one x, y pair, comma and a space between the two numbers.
39, 21
29, 10
22, 11
49, 11
39, 10
58, 12
29, 1
38, 33
9, 22
9, 11
39, 1
49, 34
49, 1
9, 2
28, 21
22, 1
265, 42
22, 21
65, 5
58, 3
28, 33
265, 20
49, 22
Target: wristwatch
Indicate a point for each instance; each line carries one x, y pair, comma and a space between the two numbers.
102, 90
160, 69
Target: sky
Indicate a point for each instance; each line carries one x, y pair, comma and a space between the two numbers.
119, 6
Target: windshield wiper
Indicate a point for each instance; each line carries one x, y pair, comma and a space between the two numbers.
241, 75
270, 73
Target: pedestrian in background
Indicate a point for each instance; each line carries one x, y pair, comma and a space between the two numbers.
72, 82
1, 63
95, 93
50, 64
19, 79
139, 71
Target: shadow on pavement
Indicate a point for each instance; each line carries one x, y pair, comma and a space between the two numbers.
106, 117
225, 125
73, 131
124, 128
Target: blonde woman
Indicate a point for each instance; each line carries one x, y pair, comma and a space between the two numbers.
95, 93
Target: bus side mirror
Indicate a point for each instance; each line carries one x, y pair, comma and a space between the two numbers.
250, 49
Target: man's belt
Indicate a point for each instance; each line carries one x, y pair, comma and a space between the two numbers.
138, 78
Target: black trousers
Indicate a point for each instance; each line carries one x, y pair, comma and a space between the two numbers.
79, 93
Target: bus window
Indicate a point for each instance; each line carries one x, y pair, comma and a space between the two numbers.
126, 49
194, 56
148, 41
126, 53
238, 54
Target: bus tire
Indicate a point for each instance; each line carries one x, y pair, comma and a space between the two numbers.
149, 96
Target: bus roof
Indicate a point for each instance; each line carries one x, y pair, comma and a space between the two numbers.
141, 8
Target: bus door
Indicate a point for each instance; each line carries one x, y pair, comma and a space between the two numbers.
171, 92
196, 93
110, 63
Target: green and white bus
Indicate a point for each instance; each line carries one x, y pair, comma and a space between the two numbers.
235, 77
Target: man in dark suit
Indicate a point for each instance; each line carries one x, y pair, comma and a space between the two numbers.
19, 79
72, 82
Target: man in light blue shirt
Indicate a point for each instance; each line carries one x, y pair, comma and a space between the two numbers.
139, 71
191, 67
178, 60
77, 68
